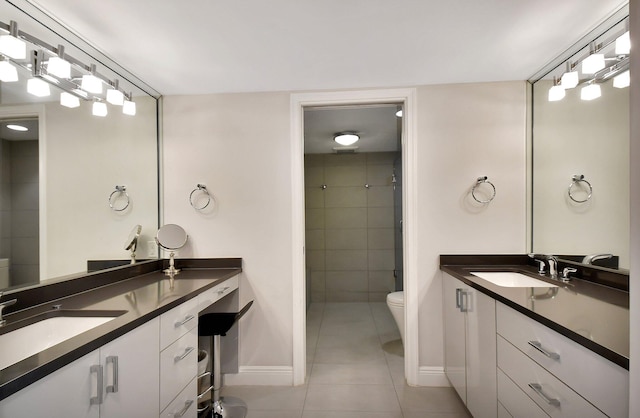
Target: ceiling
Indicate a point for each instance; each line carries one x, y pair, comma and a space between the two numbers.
212, 46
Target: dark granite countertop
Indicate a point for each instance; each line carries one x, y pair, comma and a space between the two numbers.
591, 314
141, 298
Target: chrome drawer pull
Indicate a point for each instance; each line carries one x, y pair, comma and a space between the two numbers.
184, 410
537, 388
458, 298
114, 387
97, 370
221, 291
187, 351
538, 346
184, 321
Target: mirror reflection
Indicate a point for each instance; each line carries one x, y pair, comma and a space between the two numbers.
57, 177
581, 152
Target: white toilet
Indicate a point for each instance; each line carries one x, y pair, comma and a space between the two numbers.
395, 302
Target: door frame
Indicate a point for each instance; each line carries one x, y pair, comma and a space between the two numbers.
406, 97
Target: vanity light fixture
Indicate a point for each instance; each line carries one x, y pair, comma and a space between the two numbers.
90, 82
115, 97
69, 100
556, 92
11, 45
570, 79
38, 88
622, 80
590, 91
99, 109
346, 138
594, 62
623, 44
58, 66
8, 73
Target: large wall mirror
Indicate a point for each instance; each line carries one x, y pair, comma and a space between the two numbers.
74, 184
580, 166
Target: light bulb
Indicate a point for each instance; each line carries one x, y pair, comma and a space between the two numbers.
91, 83
623, 44
38, 87
8, 72
69, 100
129, 108
13, 47
115, 97
59, 67
569, 80
622, 80
593, 63
556, 93
99, 109
590, 92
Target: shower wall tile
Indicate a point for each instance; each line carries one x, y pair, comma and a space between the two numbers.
315, 259
385, 158
380, 239
314, 218
347, 281
346, 175
318, 281
379, 196
381, 281
25, 197
345, 218
313, 176
345, 197
318, 297
346, 260
378, 296
24, 274
381, 260
379, 175
314, 197
25, 251
380, 217
331, 160
346, 239
313, 160
315, 239
25, 223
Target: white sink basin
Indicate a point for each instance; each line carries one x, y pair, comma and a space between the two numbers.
510, 279
29, 340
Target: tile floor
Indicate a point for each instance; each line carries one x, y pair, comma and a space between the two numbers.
354, 370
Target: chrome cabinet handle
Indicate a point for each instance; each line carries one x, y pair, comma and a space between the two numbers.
183, 411
96, 370
187, 351
113, 360
458, 298
464, 301
537, 388
538, 346
221, 291
184, 321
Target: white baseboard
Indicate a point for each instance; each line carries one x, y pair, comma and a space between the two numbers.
260, 376
432, 376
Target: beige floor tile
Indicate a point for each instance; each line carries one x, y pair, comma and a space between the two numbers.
423, 414
339, 414
273, 414
350, 374
353, 398
429, 399
269, 398
349, 355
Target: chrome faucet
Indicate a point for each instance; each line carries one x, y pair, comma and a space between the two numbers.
589, 259
4, 305
551, 260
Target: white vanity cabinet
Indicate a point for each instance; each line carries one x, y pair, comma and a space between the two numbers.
117, 380
470, 346
562, 377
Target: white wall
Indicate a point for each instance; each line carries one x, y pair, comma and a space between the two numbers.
238, 145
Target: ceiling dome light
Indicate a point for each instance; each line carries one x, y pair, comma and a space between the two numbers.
622, 80
590, 92
399, 113
623, 44
38, 87
8, 73
346, 138
18, 128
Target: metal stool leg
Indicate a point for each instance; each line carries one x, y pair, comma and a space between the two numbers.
225, 406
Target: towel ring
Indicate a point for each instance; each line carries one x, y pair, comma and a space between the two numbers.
481, 180
200, 188
114, 195
579, 178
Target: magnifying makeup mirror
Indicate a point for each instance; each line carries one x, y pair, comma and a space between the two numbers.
132, 242
171, 237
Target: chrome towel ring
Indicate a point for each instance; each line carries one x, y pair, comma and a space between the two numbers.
203, 189
483, 180
113, 197
576, 180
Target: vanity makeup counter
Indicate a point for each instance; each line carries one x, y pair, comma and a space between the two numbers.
140, 293
591, 314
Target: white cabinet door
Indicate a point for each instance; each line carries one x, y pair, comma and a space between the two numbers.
454, 335
64, 393
131, 374
470, 346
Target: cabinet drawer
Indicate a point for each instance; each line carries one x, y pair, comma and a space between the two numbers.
551, 395
177, 322
185, 405
178, 366
514, 401
207, 298
601, 382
